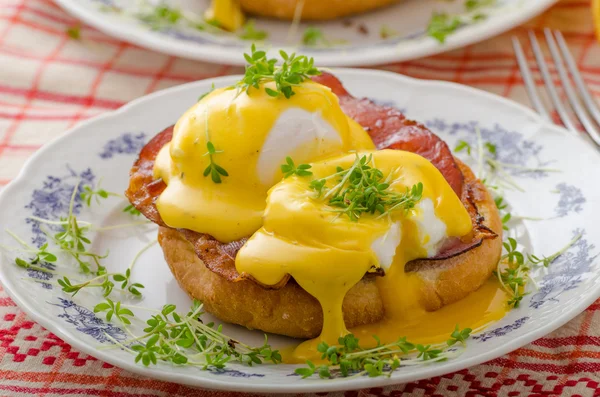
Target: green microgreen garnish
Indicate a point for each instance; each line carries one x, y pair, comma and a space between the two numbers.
441, 25
514, 276
131, 210
289, 168
212, 88
215, 170
40, 254
386, 32
294, 70
313, 36
168, 336
491, 148
104, 282
505, 219
514, 268
185, 339
161, 16
90, 193
545, 261
348, 359
250, 32
472, 5
463, 146
500, 204
459, 336
318, 185
114, 308
363, 188
490, 170
72, 241
98, 194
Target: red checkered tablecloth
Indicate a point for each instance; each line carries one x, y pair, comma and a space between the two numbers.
49, 82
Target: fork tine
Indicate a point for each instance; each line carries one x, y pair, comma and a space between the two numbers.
585, 93
571, 95
528, 79
550, 87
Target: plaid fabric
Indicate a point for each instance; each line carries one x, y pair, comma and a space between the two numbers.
49, 82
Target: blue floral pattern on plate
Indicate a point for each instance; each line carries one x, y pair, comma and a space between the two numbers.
127, 143
41, 276
568, 271
51, 201
571, 199
500, 331
87, 322
511, 146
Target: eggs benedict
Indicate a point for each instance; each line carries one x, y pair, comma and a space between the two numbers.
311, 9
230, 14
297, 209
245, 137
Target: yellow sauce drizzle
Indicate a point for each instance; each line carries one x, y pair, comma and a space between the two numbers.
238, 124
476, 311
327, 253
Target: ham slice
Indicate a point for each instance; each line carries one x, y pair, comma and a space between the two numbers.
388, 128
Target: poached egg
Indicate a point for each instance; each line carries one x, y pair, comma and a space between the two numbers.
252, 135
328, 252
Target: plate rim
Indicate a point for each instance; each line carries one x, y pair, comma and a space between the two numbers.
147, 39
310, 385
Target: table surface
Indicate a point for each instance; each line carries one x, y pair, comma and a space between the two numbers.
49, 82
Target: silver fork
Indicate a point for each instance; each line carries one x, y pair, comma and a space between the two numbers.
583, 114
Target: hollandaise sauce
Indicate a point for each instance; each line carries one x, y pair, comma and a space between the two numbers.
252, 134
327, 251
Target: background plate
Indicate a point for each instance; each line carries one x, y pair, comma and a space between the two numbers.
408, 19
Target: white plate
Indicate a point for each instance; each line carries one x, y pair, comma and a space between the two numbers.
409, 20
106, 147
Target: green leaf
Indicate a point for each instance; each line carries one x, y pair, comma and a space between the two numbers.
125, 312
210, 147
472, 5
271, 92
119, 277
491, 148
212, 88
324, 372
313, 36
152, 341
441, 25
214, 174
250, 32
260, 70
21, 263
100, 307
463, 145
220, 170
168, 309
304, 372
